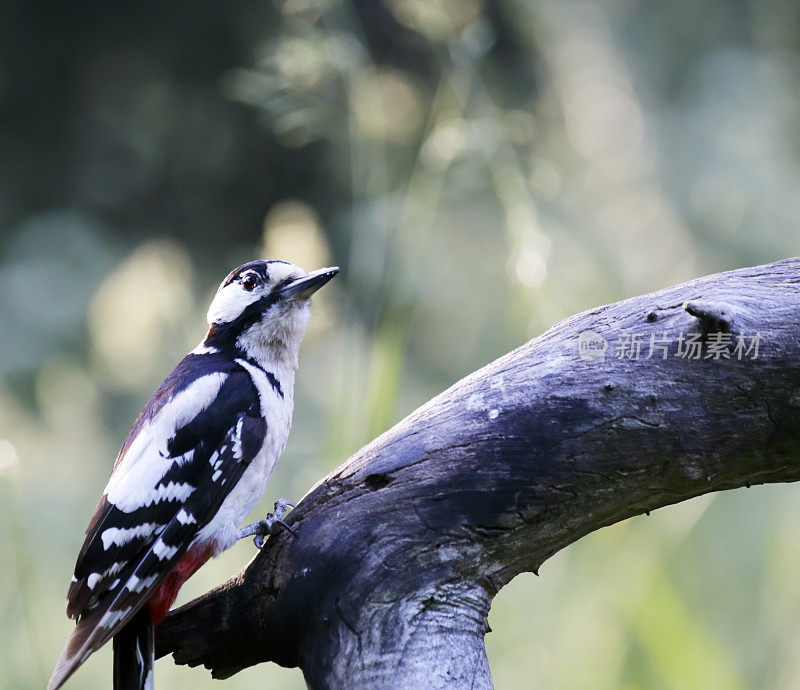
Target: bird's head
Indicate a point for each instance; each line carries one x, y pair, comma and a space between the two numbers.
262, 309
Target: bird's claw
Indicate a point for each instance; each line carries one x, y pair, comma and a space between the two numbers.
269, 525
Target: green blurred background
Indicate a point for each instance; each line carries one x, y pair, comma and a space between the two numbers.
480, 169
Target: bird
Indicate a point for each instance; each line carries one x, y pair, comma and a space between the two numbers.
195, 463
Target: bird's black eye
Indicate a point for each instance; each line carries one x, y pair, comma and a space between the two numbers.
249, 282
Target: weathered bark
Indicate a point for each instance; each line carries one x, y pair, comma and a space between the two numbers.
401, 549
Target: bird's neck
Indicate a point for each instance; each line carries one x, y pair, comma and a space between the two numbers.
274, 356
273, 346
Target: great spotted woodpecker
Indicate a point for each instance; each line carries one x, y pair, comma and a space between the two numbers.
194, 465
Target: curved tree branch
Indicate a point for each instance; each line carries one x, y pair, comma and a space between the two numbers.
401, 549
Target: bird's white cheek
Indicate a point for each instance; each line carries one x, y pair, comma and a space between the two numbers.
229, 303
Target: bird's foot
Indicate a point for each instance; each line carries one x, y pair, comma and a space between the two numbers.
271, 524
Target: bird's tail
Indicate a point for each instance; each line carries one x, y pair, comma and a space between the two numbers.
134, 653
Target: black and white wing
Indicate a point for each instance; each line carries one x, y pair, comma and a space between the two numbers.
186, 452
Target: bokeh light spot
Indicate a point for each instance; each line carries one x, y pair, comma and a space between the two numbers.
137, 308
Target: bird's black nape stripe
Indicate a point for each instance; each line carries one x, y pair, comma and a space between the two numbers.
223, 336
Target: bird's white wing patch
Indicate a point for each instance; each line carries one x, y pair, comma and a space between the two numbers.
146, 461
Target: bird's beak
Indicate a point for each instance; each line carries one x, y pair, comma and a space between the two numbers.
307, 285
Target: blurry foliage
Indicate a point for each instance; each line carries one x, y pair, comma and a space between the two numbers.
480, 169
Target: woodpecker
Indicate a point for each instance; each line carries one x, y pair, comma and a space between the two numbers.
193, 466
